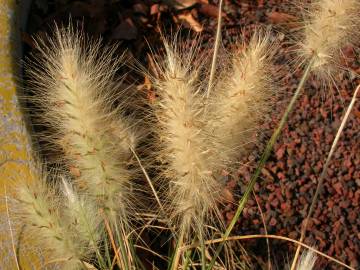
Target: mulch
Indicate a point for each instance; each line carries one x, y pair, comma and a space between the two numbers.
288, 182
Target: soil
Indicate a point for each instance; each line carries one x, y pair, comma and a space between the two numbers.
289, 179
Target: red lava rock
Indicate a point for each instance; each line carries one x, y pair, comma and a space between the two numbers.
330, 203
338, 188
272, 222
280, 152
275, 203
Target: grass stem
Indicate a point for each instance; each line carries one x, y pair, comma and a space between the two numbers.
216, 50
11, 229
177, 254
202, 248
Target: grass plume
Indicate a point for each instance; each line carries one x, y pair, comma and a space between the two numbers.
83, 218
243, 95
185, 148
39, 209
74, 82
307, 260
329, 25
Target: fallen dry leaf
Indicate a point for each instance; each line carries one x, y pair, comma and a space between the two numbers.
194, 24
181, 4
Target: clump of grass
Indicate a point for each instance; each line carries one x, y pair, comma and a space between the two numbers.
199, 132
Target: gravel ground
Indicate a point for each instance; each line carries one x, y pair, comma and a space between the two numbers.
289, 180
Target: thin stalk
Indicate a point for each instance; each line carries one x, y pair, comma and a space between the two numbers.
216, 50
112, 241
188, 254
107, 253
176, 259
322, 176
10, 228
148, 180
138, 262
270, 236
122, 247
202, 248
100, 259
263, 160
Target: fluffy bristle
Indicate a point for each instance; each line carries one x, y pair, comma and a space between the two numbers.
243, 96
307, 260
329, 26
39, 208
185, 148
82, 217
73, 80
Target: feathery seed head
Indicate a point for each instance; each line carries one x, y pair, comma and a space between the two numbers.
73, 84
39, 208
185, 149
307, 260
328, 27
242, 95
82, 217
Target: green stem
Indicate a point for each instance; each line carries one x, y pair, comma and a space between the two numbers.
216, 49
175, 260
263, 160
202, 247
107, 253
122, 247
188, 254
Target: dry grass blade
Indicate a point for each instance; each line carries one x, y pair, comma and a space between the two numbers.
10, 229
257, 236
216, 51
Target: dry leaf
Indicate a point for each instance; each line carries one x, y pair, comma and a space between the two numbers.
194, 24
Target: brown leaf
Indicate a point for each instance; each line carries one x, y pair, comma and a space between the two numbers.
194, 24
181, 4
